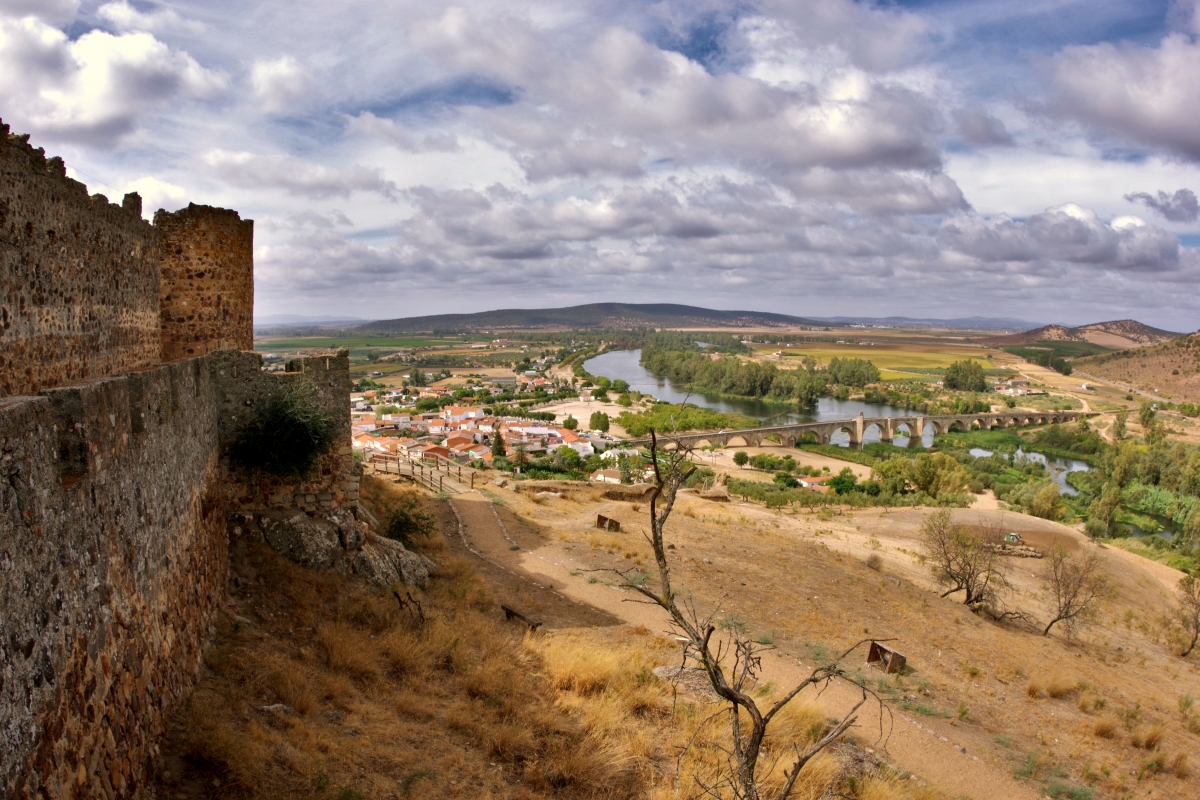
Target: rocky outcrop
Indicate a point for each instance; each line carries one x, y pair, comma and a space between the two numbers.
385, 562
309, 541
337, 540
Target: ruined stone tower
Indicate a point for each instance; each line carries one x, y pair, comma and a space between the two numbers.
206, 294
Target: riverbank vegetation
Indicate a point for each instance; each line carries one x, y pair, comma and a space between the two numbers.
666, 417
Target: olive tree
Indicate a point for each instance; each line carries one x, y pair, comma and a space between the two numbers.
1077, 585
961, 559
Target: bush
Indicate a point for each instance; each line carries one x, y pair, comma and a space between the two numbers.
407, 522
286, 435
741, 458
570, 423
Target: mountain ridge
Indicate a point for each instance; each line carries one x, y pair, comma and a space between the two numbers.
633, 315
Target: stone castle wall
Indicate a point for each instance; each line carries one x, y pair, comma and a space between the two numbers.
333, 482
78, 277
206, 295
114, 492
113, 560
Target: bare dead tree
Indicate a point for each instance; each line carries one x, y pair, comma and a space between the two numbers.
962, 559
1188, 611
732, 661
1077, 586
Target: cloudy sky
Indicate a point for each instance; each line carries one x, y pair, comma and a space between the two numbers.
1029, 158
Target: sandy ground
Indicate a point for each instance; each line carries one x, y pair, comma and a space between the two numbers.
582, 410
803, 579
722, 461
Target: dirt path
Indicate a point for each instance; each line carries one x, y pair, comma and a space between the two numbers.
542, 577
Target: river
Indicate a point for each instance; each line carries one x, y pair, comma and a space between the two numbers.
623, 365
1058, 467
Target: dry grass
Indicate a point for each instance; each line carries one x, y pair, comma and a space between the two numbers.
456, 707
1059, 687
373, 696
1179, 765
1105, 728
1033, 688
1153, 737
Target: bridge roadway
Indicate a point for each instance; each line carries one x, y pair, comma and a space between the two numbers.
889, 427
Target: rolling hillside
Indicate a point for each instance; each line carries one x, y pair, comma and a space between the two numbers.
594, 315
1173, 368
1121, 334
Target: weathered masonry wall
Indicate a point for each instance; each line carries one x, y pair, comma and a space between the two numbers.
114, 494
207, 291
242, 387
78, 277
113, 554
113, 560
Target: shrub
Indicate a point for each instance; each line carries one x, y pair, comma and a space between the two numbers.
406, 522
286, 435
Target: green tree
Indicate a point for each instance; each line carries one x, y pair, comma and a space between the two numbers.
785, 480
599, 421
625, 400
1118, 430
570, 423
809, 388
1047, 503
965, 376
1104, 508
600, 393
520, 458
619, 386
566, 459
1147, 413
417, 378
498, 450
853, 372
844, 482
741, 458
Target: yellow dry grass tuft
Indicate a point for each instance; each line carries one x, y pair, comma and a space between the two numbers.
1058, 687
1179, 765
1033, 688
1105, 728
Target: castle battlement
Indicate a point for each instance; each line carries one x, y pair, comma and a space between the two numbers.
89, 289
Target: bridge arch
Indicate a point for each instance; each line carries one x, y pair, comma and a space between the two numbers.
738, 440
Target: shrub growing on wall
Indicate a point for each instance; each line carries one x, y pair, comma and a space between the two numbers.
286, 435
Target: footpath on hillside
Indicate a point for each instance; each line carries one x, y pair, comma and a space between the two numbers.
490, 533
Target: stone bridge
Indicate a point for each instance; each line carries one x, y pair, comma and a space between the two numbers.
889, 427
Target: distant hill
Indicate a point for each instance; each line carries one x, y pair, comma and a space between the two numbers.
1173, 368
1121, 334
960, 323
593, 315
301, 321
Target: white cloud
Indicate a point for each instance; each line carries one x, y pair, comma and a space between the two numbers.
387, 130
297, 177
1069, 234
157, 194
279, 84
1148, 94
96, 88
125, 17
51, 12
